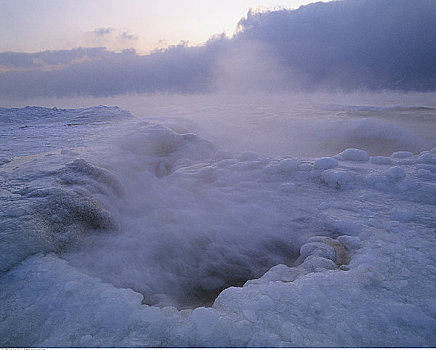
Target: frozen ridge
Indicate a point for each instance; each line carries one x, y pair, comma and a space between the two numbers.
129, 246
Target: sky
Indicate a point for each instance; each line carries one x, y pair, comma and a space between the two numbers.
99, 48
39, 25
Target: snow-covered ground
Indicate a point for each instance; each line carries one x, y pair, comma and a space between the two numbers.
125, 231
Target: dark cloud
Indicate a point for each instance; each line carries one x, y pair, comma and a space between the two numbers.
178, 69
341, 45
371, 44
49, 58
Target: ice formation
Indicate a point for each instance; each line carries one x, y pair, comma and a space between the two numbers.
119, 232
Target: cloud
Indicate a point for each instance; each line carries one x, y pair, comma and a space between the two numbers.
342, 45
178, 69
103, 31
49, 60
128, 36
115, 39
369, 44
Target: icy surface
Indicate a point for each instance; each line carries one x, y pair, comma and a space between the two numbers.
353, 154
325, 163
128, 233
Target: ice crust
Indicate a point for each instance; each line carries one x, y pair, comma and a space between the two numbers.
157, 239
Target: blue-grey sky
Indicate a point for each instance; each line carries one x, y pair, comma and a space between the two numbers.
340, 45
38, 25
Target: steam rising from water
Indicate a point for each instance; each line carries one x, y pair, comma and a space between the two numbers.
287, 124
113, 210
184, 237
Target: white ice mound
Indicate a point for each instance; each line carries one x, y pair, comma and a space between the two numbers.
396, 173
335, 178
288, 165
350, 242
154, 140
325, 163
402, 154
427, 157
163, 149
353, 154
57, 209
317, 249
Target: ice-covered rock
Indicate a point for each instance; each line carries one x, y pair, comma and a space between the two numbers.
288, 165
325, 163
426, 174
353, 154
402, 154
396, 173
350, 242
335, 178
317, 249
318, 263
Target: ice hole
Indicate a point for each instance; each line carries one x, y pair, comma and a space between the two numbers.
204, 277
185, 274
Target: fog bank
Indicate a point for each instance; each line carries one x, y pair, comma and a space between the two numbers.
342, 46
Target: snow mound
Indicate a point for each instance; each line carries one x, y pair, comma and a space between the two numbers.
402, 154
396, 173
335, 178
353, 154
325, 163
288, 165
